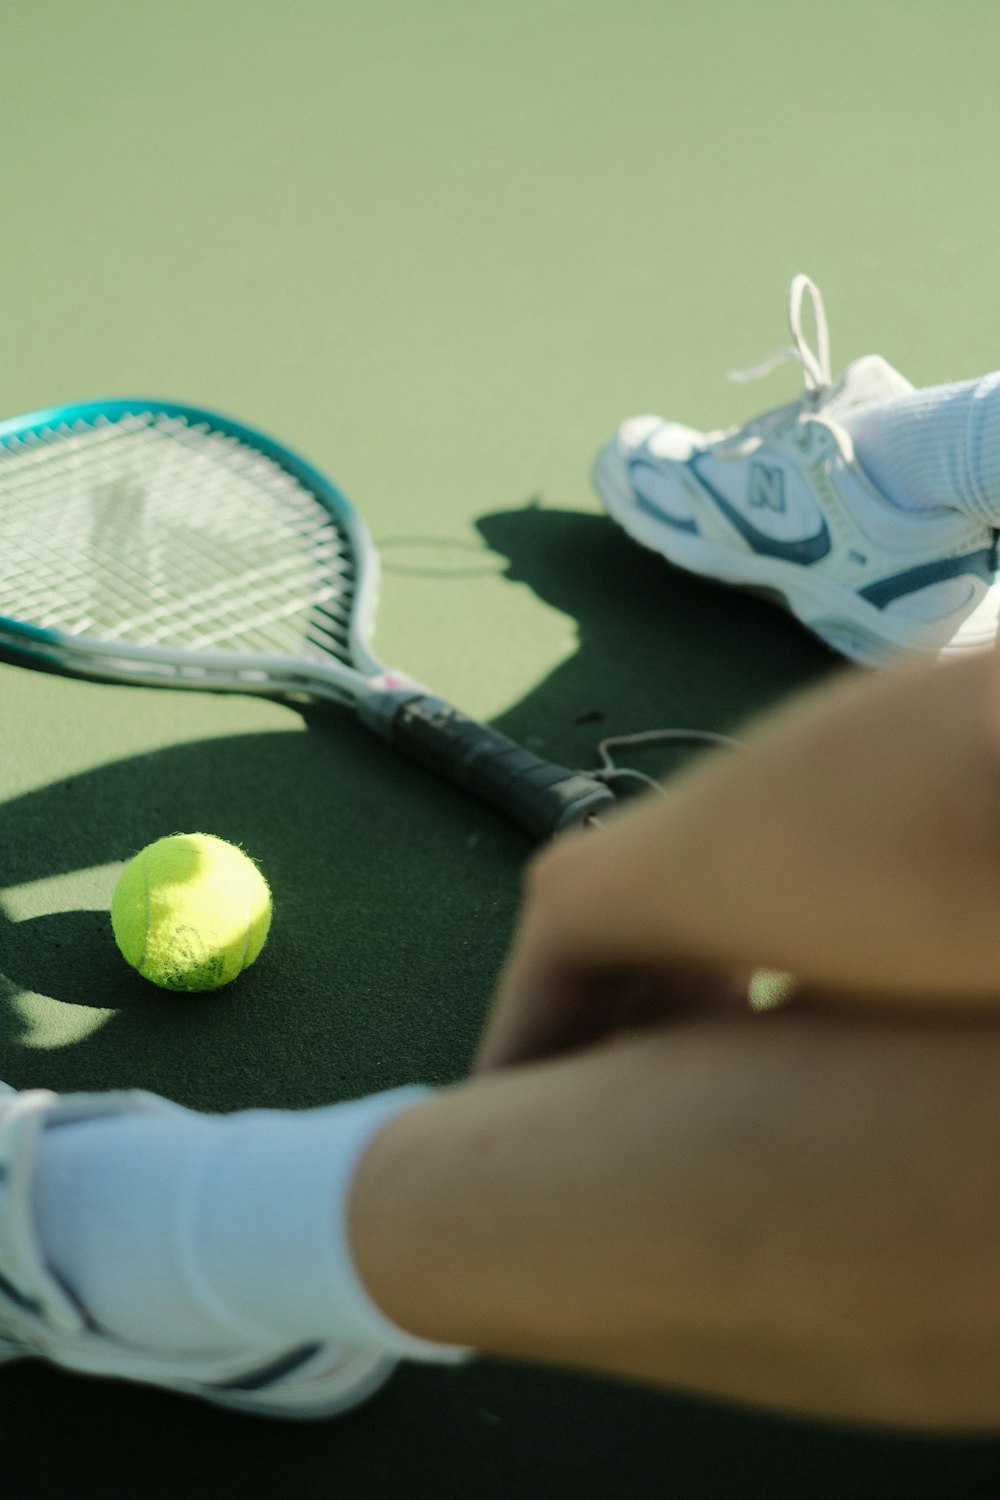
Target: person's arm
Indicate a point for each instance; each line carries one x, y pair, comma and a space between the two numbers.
797, 1211
854, 841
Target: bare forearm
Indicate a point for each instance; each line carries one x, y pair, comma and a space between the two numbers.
798, 1211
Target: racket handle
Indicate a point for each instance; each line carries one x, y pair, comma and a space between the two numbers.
543, 798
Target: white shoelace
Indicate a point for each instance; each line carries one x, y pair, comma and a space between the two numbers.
815, 362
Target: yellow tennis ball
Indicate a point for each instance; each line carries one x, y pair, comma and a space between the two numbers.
190, 912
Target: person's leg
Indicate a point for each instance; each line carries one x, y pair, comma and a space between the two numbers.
935, 447
798, 1211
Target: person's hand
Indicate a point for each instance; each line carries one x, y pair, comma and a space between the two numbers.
854, 843
572, 979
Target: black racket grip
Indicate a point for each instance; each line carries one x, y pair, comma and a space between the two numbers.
543, 798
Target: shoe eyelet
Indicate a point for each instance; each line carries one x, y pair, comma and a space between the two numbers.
815, 440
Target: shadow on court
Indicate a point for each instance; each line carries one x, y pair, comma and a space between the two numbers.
392, 905
656, 647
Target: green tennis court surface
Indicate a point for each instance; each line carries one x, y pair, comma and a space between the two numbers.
441, 249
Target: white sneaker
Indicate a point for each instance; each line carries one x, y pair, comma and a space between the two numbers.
40, 1318
781, 506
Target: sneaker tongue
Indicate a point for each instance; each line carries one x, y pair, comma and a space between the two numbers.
867, 382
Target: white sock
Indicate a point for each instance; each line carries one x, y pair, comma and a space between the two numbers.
938, 446
195, 1233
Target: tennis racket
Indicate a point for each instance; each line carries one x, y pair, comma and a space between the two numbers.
166, 545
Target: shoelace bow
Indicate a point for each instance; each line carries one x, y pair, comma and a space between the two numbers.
815, 362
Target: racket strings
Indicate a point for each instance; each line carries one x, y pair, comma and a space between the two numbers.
113, 490
149, 530
115, 526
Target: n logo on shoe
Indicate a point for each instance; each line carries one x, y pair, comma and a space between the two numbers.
804, 550
767, 487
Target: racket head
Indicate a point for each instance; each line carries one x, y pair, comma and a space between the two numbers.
149, 541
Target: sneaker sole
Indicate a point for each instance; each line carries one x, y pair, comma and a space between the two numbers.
334, 1392
847, 623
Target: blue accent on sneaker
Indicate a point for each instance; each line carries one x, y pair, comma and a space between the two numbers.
259, 1380
650, 506
7, 1289
980, 564
809, 549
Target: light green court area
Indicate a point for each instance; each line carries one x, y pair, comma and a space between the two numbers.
442, 249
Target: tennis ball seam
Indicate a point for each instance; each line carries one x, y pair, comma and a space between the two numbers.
144, 867
246, 930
